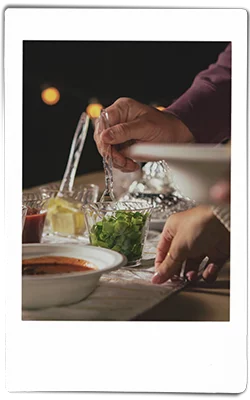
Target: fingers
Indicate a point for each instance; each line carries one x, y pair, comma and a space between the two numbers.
192, 268
124, 109
179, 274
163, 246
129, 166
123, 163
128, 123
165, 240
118, 112
172, 262
220, 193
98, 129
120, 161
218, 256
123, 132
212, 271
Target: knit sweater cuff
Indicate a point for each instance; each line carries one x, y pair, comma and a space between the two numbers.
223, 215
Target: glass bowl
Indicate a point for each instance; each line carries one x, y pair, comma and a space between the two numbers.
34, 204
82, 193
119, 226
65, 215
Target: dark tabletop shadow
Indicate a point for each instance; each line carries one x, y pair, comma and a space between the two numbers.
179, 307
221, 284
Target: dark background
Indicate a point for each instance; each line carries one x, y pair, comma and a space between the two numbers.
150, 72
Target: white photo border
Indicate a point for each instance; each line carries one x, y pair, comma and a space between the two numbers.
125, 356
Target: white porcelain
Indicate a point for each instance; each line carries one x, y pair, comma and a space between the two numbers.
24, 212
157, 224
195, 167
61, 289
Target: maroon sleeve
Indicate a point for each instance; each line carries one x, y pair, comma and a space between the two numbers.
205, 108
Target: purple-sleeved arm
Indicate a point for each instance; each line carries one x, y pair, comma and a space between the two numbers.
205, 108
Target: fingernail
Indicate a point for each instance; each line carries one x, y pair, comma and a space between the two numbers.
212, 269
157, 278
191, 276
109, 136
119, 163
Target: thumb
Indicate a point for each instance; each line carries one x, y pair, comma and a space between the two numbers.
173, 261
121, 133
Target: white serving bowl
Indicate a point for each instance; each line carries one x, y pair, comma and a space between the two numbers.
41, 291
196, 168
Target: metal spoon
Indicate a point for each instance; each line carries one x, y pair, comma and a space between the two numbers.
108, 194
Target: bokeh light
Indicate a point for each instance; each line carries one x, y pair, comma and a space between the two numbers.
160, 108
50, 96
157, 105
94, 109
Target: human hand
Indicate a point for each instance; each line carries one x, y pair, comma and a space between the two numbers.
191, 236
131, 122
220, 192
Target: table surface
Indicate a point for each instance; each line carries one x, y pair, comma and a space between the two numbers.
202, 302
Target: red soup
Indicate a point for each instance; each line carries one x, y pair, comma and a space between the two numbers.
54, 265
33, 227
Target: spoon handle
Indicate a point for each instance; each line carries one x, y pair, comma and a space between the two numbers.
108, 194
75, 154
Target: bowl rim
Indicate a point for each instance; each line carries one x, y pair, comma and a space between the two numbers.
121, 263
179, 153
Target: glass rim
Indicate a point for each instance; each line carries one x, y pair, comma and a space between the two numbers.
41, 210
35, 202
76, 189
34, 192
149, 206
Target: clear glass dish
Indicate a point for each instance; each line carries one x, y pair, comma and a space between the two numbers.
119, 226
33, 223
65, 216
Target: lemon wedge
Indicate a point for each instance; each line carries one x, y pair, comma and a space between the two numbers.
65, 217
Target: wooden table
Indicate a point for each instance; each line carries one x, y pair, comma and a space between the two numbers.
202, 302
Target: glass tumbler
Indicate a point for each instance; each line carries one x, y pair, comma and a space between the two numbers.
119, 226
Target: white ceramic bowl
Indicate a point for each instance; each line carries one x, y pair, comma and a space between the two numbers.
196, 168
43, 291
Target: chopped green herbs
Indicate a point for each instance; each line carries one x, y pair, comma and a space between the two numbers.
122, 232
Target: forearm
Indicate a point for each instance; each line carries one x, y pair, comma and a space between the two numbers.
205, 108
